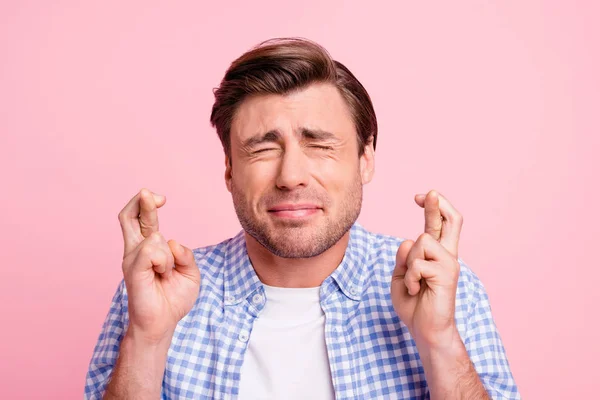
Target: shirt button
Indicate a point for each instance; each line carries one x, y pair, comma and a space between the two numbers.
353, 290
243, 336
257, 299
230, 300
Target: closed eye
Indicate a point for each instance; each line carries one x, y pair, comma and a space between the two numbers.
316, 146
263, 150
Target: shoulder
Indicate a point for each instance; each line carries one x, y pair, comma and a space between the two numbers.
381, 252
378, 258
212, 258
380, 249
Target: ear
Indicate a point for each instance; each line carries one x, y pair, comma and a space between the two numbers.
228, 176
367, 162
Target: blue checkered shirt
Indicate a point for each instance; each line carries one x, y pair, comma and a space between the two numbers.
371, 353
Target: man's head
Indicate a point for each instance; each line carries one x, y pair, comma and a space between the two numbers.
299, 133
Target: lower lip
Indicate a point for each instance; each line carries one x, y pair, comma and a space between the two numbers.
296, 214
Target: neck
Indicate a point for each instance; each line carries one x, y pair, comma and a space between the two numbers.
295, 272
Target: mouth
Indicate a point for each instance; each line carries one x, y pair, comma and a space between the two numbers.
294, 211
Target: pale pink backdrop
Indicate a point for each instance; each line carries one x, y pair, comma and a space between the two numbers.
493, 103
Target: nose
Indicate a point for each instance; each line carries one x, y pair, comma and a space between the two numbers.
293, 169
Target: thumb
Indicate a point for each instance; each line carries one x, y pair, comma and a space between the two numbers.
401, 256
402, 301
185, 263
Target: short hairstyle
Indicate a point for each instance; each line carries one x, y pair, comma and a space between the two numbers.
284, 65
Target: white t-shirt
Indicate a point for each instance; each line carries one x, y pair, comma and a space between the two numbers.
286, 356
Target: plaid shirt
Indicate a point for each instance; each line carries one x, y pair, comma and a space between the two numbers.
371, 353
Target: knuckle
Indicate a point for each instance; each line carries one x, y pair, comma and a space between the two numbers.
162, 257
412, 275
417, 264
150, 247
156, 237
147, 250
128, 262
406, 245
125, 264
455, 216
423, 237
414, 264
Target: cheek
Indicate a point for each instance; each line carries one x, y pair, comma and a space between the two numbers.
339, 184
337, 176
254, 179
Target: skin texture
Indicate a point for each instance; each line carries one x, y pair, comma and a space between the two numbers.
423, 293
162, 281
296, 149
296, 182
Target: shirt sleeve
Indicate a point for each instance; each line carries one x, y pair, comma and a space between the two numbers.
484, 345
107, 348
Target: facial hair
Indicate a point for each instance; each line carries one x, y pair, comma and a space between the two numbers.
298, 239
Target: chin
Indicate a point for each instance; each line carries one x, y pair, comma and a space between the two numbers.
292, 249
297, 239
303, 237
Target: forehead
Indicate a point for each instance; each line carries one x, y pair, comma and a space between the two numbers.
318, 106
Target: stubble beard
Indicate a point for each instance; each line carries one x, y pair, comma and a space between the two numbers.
299, 239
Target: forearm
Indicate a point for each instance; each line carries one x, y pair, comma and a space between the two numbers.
139, 370
449, 371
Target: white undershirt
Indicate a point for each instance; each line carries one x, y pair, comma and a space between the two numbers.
286, 356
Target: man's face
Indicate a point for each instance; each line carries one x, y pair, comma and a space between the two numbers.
296, 177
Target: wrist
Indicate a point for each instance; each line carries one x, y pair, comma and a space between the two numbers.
442, 351
136, 337
140, 349
140, 367
446, 363
443, 340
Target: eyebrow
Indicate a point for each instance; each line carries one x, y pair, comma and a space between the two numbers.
274, 135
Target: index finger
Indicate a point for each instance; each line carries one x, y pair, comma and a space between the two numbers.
130, 216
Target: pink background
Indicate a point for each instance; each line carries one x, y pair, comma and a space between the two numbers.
493, 103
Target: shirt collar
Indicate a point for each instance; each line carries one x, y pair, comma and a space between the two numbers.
241, 281
350, 274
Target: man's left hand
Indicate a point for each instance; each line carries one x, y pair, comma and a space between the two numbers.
425, 279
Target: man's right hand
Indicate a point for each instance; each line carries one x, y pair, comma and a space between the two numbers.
161, 277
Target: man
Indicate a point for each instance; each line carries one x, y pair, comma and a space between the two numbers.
303, 303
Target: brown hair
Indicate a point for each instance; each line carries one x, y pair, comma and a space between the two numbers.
280, 66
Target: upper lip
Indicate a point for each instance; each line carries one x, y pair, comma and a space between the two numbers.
293, 207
